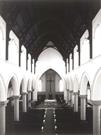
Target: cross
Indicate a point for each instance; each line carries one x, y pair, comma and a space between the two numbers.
50, 81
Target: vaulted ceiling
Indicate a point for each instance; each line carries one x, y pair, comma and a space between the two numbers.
38, 21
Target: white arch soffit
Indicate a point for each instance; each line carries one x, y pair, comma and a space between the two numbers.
15, 84
29, 85
49, 52
96, 86
70, 84
24, 85
67, 83
96, 21
2, 32
50, 48
33, 83
3, 96
13, 36
83, 83
2, 23
76, 84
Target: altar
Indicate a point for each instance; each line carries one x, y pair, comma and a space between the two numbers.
50, 102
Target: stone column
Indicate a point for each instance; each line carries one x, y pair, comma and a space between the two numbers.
12, 101
29, 95
67, 95
75, 101
71, 96
16, 108
24, 102
35, 95
83, 107
3, 118
96, 117
29, 98
32, 95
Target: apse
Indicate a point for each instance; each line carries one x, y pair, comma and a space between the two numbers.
50, 82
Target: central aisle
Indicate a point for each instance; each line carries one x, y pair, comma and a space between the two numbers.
49, 122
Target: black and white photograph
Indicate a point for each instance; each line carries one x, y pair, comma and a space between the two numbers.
50, 67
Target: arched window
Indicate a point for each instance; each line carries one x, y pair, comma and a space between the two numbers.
97, 41
29, 62
33, 65
96, 33
67, 64
13, 49
85, 47
2, 38
23, 57
70, 58
76, 57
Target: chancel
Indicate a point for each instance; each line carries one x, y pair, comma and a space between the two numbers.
50, 67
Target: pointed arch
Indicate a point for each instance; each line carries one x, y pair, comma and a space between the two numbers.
2, 38
2, 89
76, 84
13, 80
96, 86
1, 33
2, 27
70, 84
61, 76
13, 48
29, 85
83, 84
46, 61
50, 52
50, 69
23, 85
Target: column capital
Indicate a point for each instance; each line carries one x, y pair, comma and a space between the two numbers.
16, 97
71, 91
29, 91
24, 93
3, 103
83, 96
96, 102
75, 93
